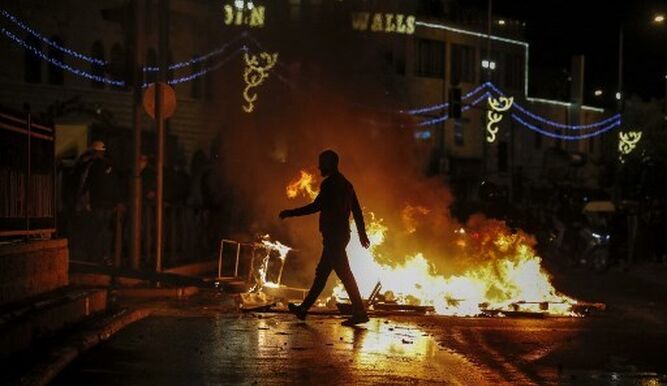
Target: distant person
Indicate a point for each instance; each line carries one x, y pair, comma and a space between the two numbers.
97, 199
334, 202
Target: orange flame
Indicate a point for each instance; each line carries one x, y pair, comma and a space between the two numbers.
262, 272
304, 186
509, 277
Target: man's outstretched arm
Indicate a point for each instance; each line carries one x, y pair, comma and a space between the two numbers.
311, 208
359, 220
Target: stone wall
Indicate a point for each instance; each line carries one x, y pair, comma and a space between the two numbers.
32, 268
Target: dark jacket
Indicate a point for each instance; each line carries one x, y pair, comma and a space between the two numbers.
335, 202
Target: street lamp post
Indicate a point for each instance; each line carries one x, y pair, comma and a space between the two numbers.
660, 20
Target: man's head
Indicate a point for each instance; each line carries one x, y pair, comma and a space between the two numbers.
328, 163
98, 148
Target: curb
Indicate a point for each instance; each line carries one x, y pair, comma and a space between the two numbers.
59, 358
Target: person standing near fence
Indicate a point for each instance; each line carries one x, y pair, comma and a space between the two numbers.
97, 200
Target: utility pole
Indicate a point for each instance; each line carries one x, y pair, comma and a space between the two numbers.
488, 78
163, 52
489, 23
137, 86
620, 95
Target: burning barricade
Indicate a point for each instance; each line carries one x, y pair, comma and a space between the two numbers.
506, 278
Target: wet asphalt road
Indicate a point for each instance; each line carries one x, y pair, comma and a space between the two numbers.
205, 341
272, 349
269, 349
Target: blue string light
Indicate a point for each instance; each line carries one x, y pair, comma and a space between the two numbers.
443, 105
554, 123
49, 42
433, 121
564, 126
198, 59
205, 70
445, 117
57, 63
78, 55
565, 137
476, 102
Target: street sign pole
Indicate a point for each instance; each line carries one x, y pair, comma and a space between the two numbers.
137, 83
163, 43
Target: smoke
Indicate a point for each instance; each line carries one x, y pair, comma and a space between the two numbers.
261, 153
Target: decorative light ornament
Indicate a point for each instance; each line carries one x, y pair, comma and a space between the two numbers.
627, 142
255, 74
494, 116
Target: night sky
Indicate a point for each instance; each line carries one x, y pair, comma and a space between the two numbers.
557, 30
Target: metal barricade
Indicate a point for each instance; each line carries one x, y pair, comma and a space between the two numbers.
251, 269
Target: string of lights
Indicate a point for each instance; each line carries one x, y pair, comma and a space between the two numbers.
199, 58
59, 64
121, 83
565, 137
445, 117
50, 42
204, 71
442, 105
549, 122
78, 55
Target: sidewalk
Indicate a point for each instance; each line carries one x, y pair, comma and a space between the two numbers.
654, 273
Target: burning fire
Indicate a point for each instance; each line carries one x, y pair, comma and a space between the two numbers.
270, 248
304, 186
509, 278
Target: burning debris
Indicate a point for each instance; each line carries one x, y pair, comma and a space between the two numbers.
507, 279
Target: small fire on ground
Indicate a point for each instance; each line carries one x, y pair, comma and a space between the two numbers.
509, 279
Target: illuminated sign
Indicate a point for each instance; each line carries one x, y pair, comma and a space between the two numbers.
244, 13
383, 22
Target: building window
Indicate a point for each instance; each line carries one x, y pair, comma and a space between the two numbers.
117, 65
503, 157
399, 56
430, 58
31, 63
97, 52
56, 74
462, 64
513, 70
295, 9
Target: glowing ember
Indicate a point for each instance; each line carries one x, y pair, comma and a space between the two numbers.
506, 277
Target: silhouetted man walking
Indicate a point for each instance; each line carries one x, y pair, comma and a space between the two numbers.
334, 202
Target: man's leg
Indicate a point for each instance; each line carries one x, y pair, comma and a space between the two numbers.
345, 275
321, 275
342, 267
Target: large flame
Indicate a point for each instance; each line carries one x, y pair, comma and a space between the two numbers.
509, 278
304, 185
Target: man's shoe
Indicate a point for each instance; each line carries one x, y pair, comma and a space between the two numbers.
354, 320
299, 311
